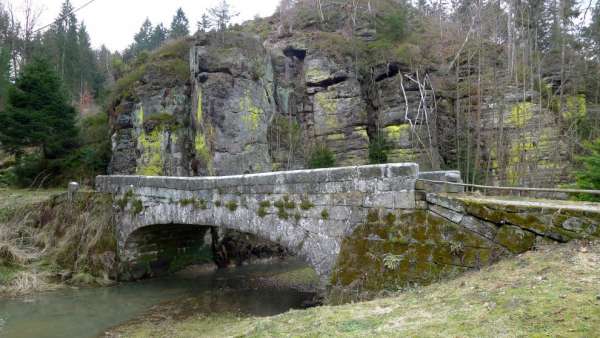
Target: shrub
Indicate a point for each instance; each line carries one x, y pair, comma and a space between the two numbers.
321, 157
589, 176
378, 150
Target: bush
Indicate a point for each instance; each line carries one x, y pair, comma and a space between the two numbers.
393, 26
378, 150
589, 176
321, 157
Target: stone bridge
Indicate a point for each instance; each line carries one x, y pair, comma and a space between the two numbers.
306, 211
370, 224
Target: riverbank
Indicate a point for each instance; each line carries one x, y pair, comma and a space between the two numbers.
554, 291
47, 242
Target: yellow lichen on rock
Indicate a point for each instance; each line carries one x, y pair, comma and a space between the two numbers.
151, 163
251, 113
521, 114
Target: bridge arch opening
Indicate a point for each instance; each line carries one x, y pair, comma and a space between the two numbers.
162, 249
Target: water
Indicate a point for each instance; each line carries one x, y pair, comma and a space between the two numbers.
89, 312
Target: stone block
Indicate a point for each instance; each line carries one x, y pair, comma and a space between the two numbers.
445, 202
515, 239
483, 228
402, 170
448, 214
371, 171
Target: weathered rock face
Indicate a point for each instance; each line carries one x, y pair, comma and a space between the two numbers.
233, 104
251, 105
150, 121
256, 107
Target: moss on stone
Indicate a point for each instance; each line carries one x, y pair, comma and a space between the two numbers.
425, 248
325, 214
515, 239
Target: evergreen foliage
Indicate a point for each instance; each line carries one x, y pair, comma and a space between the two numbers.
378, 150
589, 176
221, 15
321, 157
179, 25
38, 116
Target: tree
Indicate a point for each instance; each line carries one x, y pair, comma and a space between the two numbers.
37, 114
142, 40
592, 32
4, 75
204, 23
589, 176
179, 25
158, 37
221, 15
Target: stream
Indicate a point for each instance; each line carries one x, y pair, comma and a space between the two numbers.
89, 312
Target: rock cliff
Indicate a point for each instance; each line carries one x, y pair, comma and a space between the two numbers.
239, 102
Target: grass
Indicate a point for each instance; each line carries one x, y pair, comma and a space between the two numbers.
12, 200
42, 233
554, 291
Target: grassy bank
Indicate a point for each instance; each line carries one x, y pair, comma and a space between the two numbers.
46, 240
554, 291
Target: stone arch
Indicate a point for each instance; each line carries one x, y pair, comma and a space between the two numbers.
155, 250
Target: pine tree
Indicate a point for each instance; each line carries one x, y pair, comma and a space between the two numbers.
142, 40
221, 15
179, 25
158, 37
204, 23
37, 114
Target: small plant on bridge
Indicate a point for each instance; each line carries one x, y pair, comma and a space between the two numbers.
373, 216
196, 203
390, 219
122, 203
218, 203
282, 214
262, 212
232, 206
325, 214
263, 207
137, 207
288, 204
391, 261
306, 204
456, 248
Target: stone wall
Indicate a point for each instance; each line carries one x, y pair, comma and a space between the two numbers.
451, 232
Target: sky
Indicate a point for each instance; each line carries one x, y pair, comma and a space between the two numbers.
114, 22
